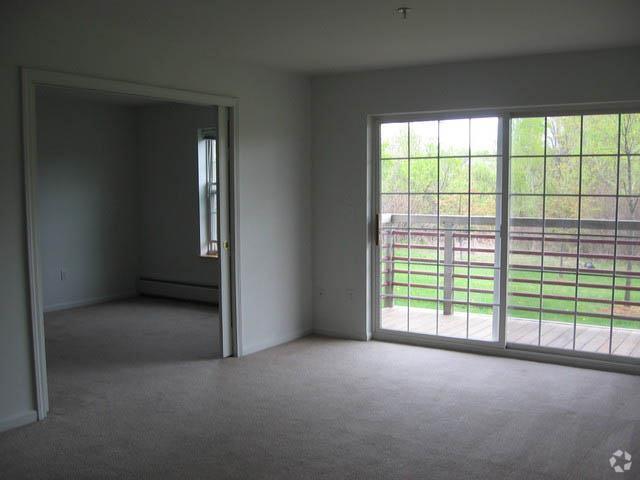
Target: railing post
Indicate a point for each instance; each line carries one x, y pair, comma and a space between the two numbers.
388, 248
448, 271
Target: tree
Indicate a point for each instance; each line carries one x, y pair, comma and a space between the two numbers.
629, 179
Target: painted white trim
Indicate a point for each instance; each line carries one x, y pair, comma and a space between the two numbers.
18, 420
223, 228
509, 351
31, 78
234, 215
274, 342
69, 80
199, 293
29, 141
516, 111
89, 301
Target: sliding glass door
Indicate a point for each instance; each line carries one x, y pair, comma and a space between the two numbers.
564, 221
439, 185
574, 280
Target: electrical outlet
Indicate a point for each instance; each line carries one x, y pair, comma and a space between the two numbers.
322, 292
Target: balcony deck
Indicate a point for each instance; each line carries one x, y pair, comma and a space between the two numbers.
626, 342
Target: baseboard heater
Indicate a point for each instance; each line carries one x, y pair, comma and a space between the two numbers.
181, 290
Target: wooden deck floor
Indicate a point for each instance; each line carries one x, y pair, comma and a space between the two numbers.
625, 342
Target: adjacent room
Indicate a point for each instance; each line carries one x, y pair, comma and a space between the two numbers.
127, 236
318, 240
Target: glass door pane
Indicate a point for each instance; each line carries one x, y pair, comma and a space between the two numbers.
439, 211
574, 256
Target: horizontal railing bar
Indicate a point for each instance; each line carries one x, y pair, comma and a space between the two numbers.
526, 235
574, 299
607, 239
568, 313
456, 249
441, 233
441, 274
532, 253
446, 219
417, 247
572, 284
620, 274
574, 235
602, 256
515, 266
585, 271
420, 261
439, 300
582, 240
516, 294
518, 307
532, 281
514, 222
441, 287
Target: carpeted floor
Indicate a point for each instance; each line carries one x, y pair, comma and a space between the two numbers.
136, 393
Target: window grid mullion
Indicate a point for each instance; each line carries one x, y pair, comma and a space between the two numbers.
544, 212
503, 149
409, 235
578, 238
438, 232
468, 228
615, 242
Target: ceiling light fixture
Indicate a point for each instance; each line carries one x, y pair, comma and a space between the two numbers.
404, 11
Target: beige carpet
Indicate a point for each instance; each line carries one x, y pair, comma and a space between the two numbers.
136, 393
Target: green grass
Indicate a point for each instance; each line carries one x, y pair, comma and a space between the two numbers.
425, 286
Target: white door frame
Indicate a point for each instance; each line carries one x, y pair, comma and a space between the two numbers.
375, 122
231, 337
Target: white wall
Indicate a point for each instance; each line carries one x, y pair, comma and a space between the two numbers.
274, 169
340, 105
170, 222
87, 200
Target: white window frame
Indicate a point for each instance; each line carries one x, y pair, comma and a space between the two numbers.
208, 192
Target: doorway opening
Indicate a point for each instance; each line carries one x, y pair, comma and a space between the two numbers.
117, 208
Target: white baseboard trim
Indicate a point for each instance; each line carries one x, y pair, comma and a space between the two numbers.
274, 342
19, 420
343, 335
179, 290
88, 301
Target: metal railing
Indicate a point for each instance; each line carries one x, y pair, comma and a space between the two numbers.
447, 235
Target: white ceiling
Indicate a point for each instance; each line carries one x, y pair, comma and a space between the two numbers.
317, 36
